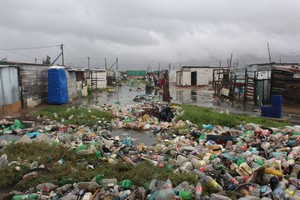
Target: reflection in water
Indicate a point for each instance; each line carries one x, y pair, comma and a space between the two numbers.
124, 95
137, 137
193, 95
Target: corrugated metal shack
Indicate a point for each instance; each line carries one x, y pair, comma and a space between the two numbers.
286, 82
9, 89
194, 76
25, 85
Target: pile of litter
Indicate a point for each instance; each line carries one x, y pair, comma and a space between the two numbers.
247, 161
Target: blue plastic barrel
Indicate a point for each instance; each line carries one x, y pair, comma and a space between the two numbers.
57, 85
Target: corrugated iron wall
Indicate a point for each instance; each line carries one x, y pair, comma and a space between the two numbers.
9, 86
34, 84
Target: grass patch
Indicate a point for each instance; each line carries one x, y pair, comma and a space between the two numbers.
199, 115
46, 154
78, 116
75, 169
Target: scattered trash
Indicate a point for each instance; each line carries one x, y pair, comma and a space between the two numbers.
251, 161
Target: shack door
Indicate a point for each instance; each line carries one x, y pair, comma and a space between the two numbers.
193, 78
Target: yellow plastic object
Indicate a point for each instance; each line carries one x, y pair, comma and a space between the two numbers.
273, 171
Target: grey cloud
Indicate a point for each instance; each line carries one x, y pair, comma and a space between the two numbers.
149, 32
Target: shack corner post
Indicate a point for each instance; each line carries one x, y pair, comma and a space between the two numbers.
166, 91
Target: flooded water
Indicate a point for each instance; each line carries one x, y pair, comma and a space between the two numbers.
10, 137
125, 95
137, 137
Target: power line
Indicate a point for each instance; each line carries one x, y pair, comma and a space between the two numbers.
69, 50
21, 54
285, 27
27, 48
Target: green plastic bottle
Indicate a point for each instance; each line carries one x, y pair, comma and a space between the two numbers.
98, 155
126, 183
99, 178
185, 195
25, 196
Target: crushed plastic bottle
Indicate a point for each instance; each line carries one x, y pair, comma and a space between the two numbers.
211, 182
198, 191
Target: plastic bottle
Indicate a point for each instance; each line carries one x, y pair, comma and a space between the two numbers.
166, 192
290, 191
181, 159
202, 138
216, 161
185, 195
98, 154
98, 178
228, 145
197, 163
126, 183
206, 168
206, 158
278, 193
246, 168
296, 195
230, 179
63, 189
167, 185
25, 196
210, 181
294, 181
198, 191
295, 171
200, 174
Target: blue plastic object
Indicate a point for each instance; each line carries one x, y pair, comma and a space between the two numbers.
57, 86
275, 109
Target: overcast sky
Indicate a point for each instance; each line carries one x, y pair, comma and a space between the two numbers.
148, 32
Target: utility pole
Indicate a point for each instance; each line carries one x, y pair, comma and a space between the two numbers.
88, 62
105, 63
62, 54
230, 61
117, 68
35, 60
117, 64
269, 53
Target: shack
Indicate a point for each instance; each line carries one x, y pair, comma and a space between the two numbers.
98, 78
194, 75
286, 82
77, 82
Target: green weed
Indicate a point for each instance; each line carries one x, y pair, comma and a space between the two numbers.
200, 115
76, 116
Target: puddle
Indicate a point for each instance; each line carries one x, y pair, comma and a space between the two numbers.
10, 137
137, 137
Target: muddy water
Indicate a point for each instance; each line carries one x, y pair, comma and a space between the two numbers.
124, 95
137, 137
10, 137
